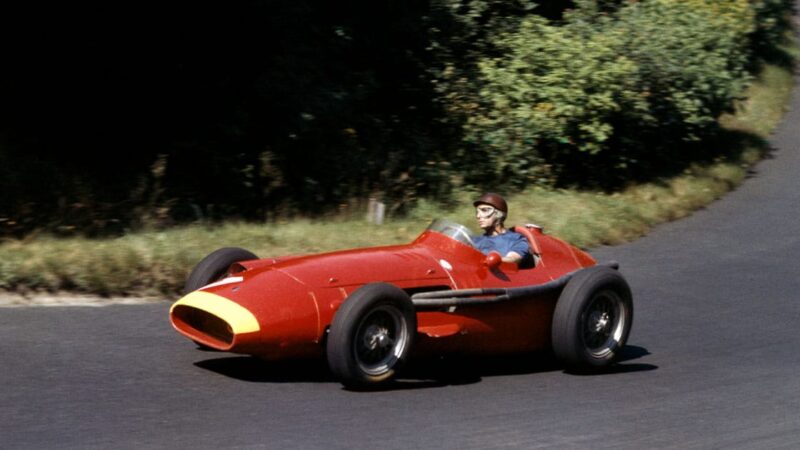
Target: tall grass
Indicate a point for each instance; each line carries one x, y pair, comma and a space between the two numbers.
157, 262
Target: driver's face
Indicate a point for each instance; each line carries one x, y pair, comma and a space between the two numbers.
486, 216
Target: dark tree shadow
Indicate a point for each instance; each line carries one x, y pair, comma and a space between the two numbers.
272, 108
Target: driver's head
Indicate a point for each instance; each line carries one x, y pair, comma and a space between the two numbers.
490, 210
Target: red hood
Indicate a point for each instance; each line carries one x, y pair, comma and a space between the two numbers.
390, 264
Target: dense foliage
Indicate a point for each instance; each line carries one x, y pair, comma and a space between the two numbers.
599, 98
116, 118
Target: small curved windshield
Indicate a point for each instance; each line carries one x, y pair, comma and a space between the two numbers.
453, 230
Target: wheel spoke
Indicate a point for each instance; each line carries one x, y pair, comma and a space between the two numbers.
377, 340
601, 321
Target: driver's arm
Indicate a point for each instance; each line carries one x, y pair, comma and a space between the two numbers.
512, 257
518, 251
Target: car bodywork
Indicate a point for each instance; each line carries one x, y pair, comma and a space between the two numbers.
278, 308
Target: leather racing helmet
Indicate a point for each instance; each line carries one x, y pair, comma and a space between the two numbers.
492, 199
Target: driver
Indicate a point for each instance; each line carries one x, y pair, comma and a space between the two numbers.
491, 211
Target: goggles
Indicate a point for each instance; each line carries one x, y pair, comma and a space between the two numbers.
484, 212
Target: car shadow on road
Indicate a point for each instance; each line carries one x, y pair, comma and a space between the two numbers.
252, 369
461, 370
623, 365
467, 370
419, 373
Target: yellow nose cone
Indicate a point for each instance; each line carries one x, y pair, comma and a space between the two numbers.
235, 315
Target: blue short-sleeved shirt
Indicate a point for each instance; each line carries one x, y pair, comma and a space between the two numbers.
503, 243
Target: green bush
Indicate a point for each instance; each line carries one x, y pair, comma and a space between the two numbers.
692, 61
555, 90
597, 97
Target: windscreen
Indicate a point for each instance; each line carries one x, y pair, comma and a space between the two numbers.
453, 230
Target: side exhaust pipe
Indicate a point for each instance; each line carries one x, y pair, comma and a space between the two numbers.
465, 297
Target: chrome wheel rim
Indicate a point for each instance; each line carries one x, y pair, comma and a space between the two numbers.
604, 324
380, 340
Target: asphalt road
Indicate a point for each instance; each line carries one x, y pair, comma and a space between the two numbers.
714, 361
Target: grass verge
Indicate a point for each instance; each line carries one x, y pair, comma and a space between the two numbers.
157, 263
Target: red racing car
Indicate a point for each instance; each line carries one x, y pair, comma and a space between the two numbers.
366, 310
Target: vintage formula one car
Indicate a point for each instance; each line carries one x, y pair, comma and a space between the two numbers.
366, 310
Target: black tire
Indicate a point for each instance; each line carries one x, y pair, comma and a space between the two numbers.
371, 336
592, 319
215, 266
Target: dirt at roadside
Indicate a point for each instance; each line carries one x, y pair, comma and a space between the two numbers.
9, 299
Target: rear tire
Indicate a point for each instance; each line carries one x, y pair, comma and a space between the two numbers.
592, 319
371, 336
214, 267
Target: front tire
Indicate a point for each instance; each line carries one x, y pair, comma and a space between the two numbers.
371, 336
592, 319
215, 267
